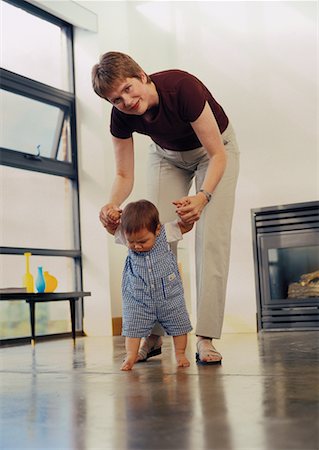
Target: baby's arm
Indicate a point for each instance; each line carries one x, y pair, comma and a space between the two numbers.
176, 229
184, 227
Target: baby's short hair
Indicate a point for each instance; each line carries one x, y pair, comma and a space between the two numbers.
139, 215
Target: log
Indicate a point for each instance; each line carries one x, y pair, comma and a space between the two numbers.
308, 286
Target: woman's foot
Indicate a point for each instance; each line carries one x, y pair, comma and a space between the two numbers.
206, 352
151, 346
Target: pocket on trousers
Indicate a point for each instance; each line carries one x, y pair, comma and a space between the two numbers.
172, 285
139, 288
134, 288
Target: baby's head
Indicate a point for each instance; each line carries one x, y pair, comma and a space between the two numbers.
140, 225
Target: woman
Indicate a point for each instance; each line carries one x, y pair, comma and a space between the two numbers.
191, 139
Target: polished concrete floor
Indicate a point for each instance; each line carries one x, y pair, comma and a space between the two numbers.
263, 396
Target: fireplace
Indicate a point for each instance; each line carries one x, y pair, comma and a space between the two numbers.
286, 256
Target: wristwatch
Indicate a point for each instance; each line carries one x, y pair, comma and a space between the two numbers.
208, 195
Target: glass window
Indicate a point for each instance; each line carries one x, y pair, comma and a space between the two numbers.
14, 319
64, 151
51, 317
13, 268
38, 210
33, 47
39, 184
39, 127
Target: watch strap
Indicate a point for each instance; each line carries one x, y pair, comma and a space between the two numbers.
207, 194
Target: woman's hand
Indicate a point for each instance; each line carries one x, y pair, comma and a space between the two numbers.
110, 216
190, 208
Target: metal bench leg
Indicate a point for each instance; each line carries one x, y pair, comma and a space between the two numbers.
32, 321
72, 310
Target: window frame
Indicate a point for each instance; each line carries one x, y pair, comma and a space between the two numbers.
18, 84
65, 100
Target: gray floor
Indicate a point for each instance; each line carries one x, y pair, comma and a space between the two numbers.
263, 396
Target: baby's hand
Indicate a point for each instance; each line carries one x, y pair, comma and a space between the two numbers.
114, 214
110, 216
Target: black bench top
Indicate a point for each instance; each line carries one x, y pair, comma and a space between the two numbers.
43, 296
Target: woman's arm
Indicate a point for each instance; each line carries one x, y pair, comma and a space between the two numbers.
123, 181
208, 133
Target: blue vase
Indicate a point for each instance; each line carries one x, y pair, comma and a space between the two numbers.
40, 281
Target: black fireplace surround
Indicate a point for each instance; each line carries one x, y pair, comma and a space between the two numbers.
286, 256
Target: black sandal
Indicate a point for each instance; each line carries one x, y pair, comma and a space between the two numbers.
145, 352
208, 352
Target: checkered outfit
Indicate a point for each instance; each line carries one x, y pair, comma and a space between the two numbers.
152, 291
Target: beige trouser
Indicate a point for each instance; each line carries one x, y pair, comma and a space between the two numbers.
170, 177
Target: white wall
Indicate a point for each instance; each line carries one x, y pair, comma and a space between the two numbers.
259, 61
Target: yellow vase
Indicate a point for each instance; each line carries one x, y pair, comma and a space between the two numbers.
28, 281
50, 282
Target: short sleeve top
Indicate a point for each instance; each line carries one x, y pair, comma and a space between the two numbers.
182, 98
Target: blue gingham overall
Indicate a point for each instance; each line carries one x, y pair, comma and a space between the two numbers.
152, 291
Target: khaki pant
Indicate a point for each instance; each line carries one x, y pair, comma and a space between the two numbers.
170, 177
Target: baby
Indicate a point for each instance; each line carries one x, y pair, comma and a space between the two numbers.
152, 289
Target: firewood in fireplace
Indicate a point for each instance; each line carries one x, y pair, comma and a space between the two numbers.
308, 286
308, 277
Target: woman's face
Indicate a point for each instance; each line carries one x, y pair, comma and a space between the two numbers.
132, 96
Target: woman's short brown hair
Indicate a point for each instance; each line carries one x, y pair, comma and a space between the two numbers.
113, 68
139, 215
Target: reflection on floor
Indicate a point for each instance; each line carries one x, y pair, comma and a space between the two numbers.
263, 396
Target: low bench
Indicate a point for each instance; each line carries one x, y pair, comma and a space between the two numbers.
32, 299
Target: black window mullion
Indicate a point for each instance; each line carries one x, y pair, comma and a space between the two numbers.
34, 163
75, 253
69, 42
18, 84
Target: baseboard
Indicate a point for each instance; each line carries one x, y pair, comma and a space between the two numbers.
117, 326
42, 338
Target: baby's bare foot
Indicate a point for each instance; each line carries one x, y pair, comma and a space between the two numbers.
128, 363
182, 361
